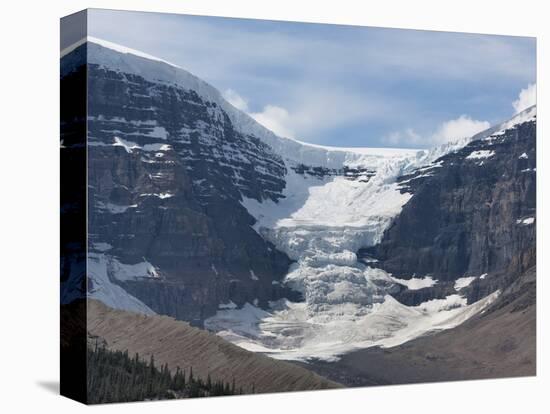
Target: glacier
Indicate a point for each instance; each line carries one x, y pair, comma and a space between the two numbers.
320, 222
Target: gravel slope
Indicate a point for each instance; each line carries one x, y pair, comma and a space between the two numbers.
177, 343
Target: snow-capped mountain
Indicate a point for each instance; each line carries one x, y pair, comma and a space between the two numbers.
199, 212
194, 159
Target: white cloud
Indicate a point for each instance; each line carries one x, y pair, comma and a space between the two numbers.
275, 118
236, 100
527, 97
461, 127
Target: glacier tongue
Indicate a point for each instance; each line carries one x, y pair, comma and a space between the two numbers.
320, 223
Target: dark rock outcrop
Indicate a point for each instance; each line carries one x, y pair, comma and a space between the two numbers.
166, 175
468, 216
73, 176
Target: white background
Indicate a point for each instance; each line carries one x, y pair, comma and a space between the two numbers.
29, 193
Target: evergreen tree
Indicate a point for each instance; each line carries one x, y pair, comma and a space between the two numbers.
113, 376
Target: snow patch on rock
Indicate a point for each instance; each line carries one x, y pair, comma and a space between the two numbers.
476, 155
122, 271
463, 282
101, 287
526, 221
156, 147
416, 283
127, 145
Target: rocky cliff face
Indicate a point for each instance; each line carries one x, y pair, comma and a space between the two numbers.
73, 252
166, 173
472, 214
169, 166
73, 177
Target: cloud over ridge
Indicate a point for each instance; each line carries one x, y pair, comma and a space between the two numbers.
526, 98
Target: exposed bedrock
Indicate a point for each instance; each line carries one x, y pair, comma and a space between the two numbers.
472, 215
166, 173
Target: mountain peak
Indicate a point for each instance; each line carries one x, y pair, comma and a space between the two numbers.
123, 49
116, 47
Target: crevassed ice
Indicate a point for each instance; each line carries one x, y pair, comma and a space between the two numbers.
348, 305
320, 224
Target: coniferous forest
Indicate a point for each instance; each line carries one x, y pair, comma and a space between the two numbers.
113, 376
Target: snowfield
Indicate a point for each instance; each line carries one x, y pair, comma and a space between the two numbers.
101, 269
463, 282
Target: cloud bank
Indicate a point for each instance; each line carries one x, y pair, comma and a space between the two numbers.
462, 127
527, 97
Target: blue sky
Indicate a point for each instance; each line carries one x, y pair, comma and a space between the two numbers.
342, 85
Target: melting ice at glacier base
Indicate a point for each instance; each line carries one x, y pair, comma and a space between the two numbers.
348, 305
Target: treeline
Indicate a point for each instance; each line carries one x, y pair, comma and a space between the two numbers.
112, 376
